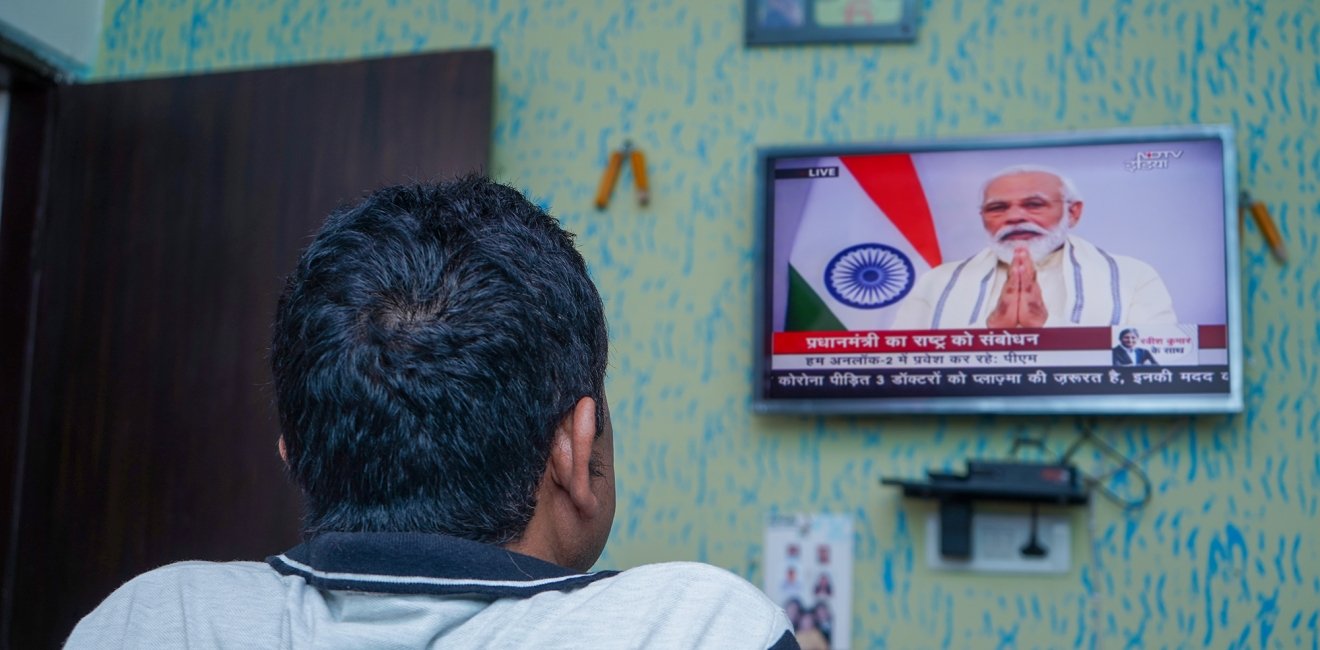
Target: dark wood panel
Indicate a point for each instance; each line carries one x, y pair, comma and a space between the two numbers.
25, 155
176, 208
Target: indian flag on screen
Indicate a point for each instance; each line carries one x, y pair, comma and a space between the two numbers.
863, 240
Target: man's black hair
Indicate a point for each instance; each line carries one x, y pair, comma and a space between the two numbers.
1127, 331
425, 349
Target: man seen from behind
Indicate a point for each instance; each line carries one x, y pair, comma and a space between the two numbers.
439, 358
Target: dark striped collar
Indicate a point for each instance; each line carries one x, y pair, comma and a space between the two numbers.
420, 563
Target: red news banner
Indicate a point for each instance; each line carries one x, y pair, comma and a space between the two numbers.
1188, 358
974, 340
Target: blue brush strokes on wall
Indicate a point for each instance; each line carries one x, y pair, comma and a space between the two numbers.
1225, 554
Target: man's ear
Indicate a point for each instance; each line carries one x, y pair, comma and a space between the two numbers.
1074, 213
570, 456
284, 451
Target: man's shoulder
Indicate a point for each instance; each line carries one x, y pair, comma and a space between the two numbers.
685, 571
699, 582
715, 607
247, 574
689, 576
199, 581
940, 275
201, 571
1124, 262
983, 256
161, 606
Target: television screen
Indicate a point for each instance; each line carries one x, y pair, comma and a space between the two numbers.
1078, 272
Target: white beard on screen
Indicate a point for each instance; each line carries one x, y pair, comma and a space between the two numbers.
1037, 248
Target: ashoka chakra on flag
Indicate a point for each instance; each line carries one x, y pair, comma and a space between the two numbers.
869, 276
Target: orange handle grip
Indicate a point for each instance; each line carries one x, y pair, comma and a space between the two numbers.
1266, 224
639, 177
607, 181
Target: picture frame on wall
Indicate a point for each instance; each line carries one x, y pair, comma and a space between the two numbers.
796, 22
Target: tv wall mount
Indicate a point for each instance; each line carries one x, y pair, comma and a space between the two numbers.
991, 480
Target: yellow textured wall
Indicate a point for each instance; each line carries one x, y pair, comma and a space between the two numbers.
1226, 555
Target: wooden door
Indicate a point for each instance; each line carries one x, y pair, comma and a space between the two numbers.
173, 210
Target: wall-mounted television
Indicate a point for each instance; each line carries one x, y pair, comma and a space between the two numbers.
1079, 272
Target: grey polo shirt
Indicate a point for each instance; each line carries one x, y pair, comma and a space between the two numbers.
403, 590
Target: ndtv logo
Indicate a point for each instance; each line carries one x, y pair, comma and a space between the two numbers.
1159, 155
1153, 159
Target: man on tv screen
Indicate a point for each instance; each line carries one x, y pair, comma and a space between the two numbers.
1035, 271
1126, 353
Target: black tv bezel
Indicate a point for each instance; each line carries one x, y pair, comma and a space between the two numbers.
1179, 404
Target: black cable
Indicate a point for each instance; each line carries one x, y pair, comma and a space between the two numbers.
1085, 428
1086, 434
1033, 547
